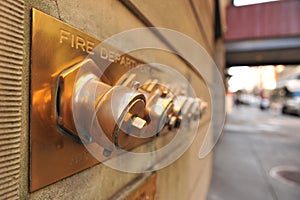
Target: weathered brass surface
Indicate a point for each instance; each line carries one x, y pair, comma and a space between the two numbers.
56, 49
145, 192
53, 155
57, 46
58, 52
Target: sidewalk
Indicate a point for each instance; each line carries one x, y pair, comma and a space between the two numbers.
252, 144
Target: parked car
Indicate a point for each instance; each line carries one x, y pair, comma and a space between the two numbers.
291, 103
264, 104
288, 95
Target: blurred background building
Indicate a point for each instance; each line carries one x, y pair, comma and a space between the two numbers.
257, 156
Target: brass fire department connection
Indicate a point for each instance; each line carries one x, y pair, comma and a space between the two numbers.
120, 116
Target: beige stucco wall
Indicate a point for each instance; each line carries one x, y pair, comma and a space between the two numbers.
188, 177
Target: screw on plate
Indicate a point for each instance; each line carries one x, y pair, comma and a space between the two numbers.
106, 152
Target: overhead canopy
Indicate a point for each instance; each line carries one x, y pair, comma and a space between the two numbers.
262, 34
263, 51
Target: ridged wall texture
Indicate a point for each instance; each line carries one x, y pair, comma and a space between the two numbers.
11, 62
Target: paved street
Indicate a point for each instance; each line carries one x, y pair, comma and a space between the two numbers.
253, 143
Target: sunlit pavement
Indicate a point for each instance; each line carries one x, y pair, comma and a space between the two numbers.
254, 142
